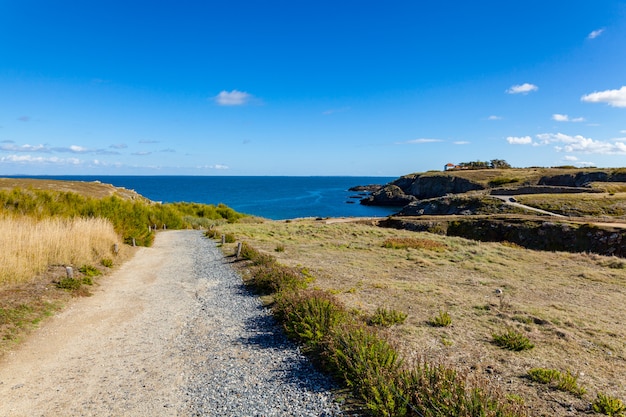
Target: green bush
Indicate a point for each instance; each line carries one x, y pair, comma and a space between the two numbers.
256, 257
544, 375
561, 381
438, 391
512, 340
368, 364
610, 406
89, 271
309, 316
69, 284
443, 319
107, 262
274, 278
387, 317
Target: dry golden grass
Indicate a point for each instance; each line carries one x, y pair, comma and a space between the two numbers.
570, 306
28, 247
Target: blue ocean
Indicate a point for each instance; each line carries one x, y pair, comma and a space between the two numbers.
270, 197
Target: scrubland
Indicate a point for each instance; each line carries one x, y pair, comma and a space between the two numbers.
498, 312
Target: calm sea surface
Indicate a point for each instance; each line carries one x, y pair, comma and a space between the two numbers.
271, 197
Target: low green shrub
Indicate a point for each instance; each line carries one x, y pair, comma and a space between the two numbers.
275, 278
279, 248
70, 284
368, 364
443, 319
107, 262
89, 271
543, 375
610, 406
438, 391
256, 257
562, 381
387, 317
512, 340
309, 316
229, 238
569, 383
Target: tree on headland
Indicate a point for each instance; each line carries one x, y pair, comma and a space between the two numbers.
493, 164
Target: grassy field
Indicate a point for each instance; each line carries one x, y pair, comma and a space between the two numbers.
46, 225
569, 306
603, 205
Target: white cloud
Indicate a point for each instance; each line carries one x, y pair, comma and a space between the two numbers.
566, 118
78, 149
216, 166
24, 148
582, 144
119, 146
570, 158
595, 33
232, 98
614, 98
144, 153
29, 159
420, 140
516, 140
494, 117
461, 142
522, 88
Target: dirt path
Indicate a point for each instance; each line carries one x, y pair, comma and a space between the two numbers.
171, 333
109, 354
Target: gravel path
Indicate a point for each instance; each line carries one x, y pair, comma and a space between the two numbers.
172, 333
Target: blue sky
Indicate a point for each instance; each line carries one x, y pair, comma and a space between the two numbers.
309, 87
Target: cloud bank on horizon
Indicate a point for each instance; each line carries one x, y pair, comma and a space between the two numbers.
260, 89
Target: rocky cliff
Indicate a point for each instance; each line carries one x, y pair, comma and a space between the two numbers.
422, 186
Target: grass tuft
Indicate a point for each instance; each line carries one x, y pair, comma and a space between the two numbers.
387, 317
562, 381
443, 319
512, 340
607, 405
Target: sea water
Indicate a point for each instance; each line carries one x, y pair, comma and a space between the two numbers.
270, 197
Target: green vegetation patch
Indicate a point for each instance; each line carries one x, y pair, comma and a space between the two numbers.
442, 319
132, 219
607, 405
562, 381
387, 317
512, 340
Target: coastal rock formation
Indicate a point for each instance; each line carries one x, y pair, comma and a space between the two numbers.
583, 179
439, 185
389, 195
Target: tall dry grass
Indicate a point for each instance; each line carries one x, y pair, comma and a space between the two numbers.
29, 246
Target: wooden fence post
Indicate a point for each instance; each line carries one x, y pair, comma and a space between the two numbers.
223, 239
116, 248
69, 271
134, 244
239, 245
